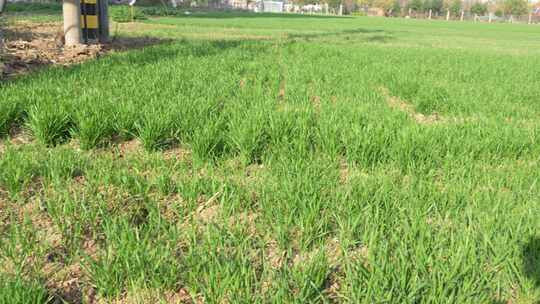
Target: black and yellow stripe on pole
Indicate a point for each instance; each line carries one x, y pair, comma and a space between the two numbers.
89, 20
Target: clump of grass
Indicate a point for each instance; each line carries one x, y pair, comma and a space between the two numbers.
125, 264
155, 130
49, 123
165, 184
94, 126
310, 276
125, 119
62, 164
208, 141
19, 291
248, 135
18, 169
9, 113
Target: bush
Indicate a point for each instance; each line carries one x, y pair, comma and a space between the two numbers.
25, 7
126, 14
479, 9
161, 11
358, 13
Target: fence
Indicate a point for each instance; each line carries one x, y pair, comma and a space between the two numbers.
467, 16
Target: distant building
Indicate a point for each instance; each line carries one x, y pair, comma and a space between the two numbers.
238, 4
269, 6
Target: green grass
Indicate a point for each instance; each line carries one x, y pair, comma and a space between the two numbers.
34, 11
277, 159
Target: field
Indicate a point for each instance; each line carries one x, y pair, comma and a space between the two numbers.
277, 159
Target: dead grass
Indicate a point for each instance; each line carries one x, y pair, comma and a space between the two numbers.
316, 103
282, 90
208, 209
177, 153
67, 283
181, 296
344, 172
122, 149
247, 220
274, 255
17, 137
402, 106
434, 118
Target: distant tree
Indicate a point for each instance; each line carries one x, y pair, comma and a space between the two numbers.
416, 6
455, 7
331, 3
364, 3
303, 2
385, 5
396, 8
479, 9
436, 6
515, 7
348, 6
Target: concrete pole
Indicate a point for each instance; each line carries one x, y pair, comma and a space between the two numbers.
341, 9
72, 22
462, 15
530, 18
2, 5
104, 20
430, 11
448, 15
490, 17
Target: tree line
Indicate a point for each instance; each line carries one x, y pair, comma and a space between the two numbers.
437, 7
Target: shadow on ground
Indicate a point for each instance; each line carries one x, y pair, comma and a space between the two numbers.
180, 48
361, 34
531, 260
245, 14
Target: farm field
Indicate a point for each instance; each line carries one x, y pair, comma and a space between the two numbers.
249, 158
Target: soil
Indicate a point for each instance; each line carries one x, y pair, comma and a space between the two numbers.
31, 46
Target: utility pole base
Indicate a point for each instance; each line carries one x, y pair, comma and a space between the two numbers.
72, 22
